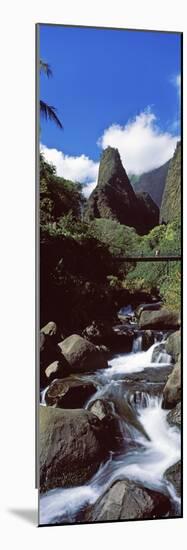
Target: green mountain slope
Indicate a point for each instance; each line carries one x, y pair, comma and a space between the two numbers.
171, 200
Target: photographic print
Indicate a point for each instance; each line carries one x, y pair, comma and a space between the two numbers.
109, 203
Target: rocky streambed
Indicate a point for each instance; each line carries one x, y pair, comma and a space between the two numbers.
110, 420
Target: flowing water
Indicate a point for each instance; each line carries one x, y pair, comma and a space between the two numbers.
156, 444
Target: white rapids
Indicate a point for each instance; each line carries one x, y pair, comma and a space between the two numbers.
127, 363
145, 463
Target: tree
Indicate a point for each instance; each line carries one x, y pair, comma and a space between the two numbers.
48, 111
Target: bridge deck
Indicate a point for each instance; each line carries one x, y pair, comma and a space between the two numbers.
173, 258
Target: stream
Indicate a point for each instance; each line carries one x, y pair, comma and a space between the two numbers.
150, 450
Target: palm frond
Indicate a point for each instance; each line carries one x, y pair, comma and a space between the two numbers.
48, 112
45, 67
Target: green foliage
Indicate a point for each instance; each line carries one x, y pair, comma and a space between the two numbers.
48, 111
58, 196
120, 239
171, 200
78, 258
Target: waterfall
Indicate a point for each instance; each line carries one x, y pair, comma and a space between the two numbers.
137, 344
156, 444
146, 466
127, 363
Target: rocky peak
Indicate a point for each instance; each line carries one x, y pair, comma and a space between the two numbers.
115, 198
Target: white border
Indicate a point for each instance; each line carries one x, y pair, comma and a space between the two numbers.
18, 274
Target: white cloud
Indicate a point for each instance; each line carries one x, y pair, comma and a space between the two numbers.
142, 145
176, 81
87, 189
80, 169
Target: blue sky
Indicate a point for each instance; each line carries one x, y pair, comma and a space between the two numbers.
110, 87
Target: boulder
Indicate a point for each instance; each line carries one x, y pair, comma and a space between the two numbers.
69, 393
49, 353
174, 416
98, 332
55, 370
162, 319
71, 447
172, 389
173, 475
126, 500
82, 355
153, 306
147, 339
50, 329
173, 345
114, 337
116, 438
101, 408
126, 412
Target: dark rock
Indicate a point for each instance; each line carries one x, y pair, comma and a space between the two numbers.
149, 210
173, 475
97, 333
50, 329
151, 380
115, 198
117, 337
174, 416
125, 411
55, 370
159, 349
147, 339
160, 320
69, 393
126, 500
151, 375
101, 408
104, 350
172, 389
153, 306
173, 345
71, 447
82, 355
49, 353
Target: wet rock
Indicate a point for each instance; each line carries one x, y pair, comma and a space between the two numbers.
126, 500
82, 355
71, 447
151, 375
98, 332
161, 320
172, 389
50, 329
174, 416
153, 306
125, 412
104, 350
173, 475
69, 393
159, 349
173, 345
55, 370
147, 339
49, 353
101, 408
116, 337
